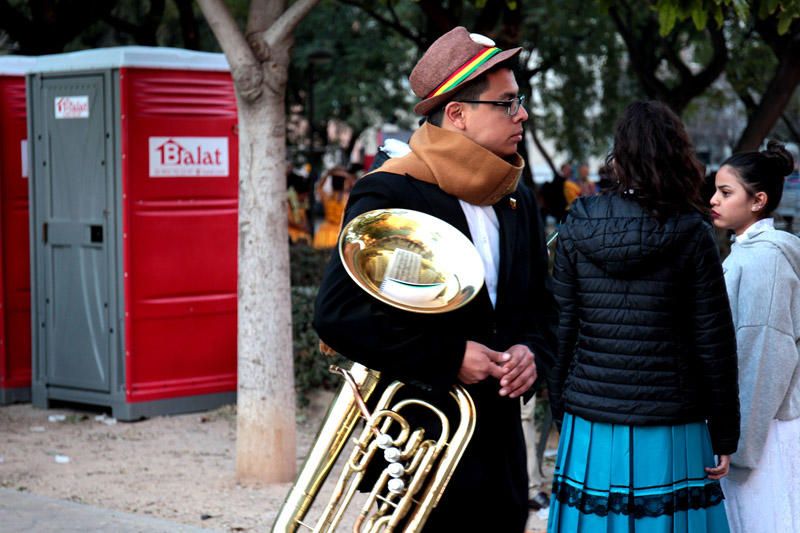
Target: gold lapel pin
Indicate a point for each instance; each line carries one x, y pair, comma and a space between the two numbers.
512, 202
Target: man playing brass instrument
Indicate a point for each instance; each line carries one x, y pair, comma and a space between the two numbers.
464, 169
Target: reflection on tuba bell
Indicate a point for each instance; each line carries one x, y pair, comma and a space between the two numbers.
421, 264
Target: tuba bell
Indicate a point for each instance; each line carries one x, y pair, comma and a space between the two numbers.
421, 264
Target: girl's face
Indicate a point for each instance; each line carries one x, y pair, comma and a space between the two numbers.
732, 206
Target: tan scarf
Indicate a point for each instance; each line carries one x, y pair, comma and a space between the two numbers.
458, 165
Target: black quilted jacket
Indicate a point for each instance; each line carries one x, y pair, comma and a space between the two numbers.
645, 331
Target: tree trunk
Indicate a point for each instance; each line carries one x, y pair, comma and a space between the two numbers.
265, 418
774, 100
265, 429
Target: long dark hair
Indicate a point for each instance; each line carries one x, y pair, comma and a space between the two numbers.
764, 172
653, 161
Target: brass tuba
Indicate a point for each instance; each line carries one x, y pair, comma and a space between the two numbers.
421, 264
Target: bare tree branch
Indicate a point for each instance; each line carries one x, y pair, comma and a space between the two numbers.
747, 99
395, 25
263, 14
793, 131
549, 160
673, 58
245, 68
392, 12
718, 60
644, 63
647, 50
283, 27
543, 66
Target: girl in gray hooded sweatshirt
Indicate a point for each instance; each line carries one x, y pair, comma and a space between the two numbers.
762, 275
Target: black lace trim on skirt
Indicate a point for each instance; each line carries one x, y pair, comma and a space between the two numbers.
650, 505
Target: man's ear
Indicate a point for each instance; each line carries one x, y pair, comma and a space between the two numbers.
454, 114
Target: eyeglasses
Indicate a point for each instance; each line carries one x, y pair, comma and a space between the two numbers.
512, 106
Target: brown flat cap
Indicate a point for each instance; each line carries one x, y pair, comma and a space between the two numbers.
451, 61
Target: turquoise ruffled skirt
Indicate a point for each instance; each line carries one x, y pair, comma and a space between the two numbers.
614, 478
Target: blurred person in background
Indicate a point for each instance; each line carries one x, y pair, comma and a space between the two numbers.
556, 195
298, 192
587, 186
333, 191
571, 188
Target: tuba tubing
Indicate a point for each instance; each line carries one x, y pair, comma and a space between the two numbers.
339, 423
432, 462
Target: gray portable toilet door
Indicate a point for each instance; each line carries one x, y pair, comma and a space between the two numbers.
77, 188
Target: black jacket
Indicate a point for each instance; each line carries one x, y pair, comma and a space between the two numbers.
426, 350
645, 331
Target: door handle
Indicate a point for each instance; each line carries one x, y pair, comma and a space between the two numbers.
96, 233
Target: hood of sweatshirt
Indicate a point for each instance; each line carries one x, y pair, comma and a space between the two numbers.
623, 239
788, 244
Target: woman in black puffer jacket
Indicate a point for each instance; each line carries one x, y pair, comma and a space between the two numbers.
646, 377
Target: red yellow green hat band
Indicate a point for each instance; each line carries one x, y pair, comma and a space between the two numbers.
464, 71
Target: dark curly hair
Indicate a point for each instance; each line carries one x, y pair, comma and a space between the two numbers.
763, 171
653, 161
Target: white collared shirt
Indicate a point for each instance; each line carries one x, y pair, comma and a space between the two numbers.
485, 230
764, 224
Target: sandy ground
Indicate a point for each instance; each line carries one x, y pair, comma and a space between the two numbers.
178, 468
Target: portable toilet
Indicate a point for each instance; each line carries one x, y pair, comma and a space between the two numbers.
134, 197
15, 273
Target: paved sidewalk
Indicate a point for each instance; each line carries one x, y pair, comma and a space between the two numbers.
23, 511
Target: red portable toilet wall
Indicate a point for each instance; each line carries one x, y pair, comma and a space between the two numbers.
15, 275
171, 115
179, 172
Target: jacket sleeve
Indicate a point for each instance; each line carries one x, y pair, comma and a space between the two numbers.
542, 321
768, 353
408, 346
566, 295
715, 345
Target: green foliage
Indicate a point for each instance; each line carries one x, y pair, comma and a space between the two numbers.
752, 62
363, 83
670, 12
307, 265
576, 62
587, 83
61, 26
310, 366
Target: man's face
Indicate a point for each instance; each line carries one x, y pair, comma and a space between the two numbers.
489, 125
